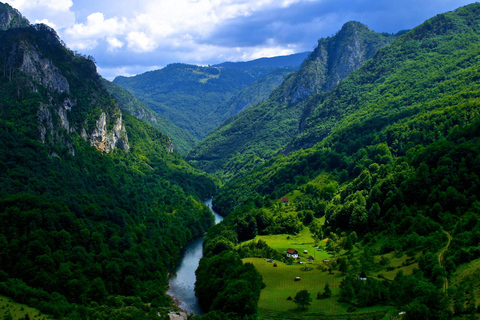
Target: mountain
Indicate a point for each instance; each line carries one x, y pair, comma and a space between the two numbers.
11, 18
389, 189
293, 60
94, 205
197, 99
255, 93
260, 132
182, 140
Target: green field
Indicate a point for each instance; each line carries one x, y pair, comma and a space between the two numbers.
280, 284
300, 242
19, 311
280, 281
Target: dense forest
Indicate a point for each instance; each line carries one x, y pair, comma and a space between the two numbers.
85, 233
376, 168
182, 140
197, 99
250, 138
395, 160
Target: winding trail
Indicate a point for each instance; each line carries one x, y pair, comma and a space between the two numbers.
440, 258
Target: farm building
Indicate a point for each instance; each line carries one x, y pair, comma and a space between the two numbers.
292, 253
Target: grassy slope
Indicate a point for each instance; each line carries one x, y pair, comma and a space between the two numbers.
19, 310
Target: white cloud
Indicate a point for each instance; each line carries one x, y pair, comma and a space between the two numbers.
56, 12
97, 26
48, 23
167, 22
114, 43
140, 42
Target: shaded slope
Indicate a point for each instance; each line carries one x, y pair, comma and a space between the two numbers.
194, 98
182, 140
94, 208
262, 131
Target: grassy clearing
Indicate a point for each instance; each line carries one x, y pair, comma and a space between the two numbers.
18, 310
280, 284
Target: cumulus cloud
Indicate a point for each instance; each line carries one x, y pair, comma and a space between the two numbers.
114, 43
48, 23
130, 36
140, 42
56, 12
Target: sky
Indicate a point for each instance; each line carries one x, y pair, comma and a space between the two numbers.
128, 37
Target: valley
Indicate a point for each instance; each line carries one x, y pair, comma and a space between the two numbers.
362, 157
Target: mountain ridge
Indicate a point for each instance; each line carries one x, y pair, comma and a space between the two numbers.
260, 132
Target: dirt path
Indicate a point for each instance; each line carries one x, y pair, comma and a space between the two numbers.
440, 258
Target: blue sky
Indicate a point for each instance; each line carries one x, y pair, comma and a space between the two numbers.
128, 37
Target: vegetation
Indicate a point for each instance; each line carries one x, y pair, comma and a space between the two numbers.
197, 99
85, 234
395, 160
303, 299
250, 138
182, 140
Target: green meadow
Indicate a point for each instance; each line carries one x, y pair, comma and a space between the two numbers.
9, 309
280, 281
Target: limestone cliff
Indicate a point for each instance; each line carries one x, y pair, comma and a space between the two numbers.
334, 59
11, 18
64, 85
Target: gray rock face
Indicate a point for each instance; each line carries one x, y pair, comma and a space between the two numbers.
105, 140
11, 18
334, 59
42, 70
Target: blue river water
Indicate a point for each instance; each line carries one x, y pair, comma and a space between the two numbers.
182, 284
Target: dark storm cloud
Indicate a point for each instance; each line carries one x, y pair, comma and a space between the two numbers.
304, 23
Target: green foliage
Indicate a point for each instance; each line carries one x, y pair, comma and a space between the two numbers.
197, 99
225, 284
182, 140
78, 228
399, 142
302, 299
250, 138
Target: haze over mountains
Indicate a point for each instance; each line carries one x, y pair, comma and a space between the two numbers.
197, 99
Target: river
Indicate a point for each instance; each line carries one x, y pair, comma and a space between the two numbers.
182, 284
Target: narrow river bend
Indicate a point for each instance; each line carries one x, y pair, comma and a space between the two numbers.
182, 284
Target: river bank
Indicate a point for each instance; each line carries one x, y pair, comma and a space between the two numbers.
182, 283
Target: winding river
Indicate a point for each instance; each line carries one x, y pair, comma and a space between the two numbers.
182, 284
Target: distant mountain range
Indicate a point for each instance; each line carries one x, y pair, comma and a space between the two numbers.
197, 99
258, 133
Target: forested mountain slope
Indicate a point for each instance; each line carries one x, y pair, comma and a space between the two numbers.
398, 166
198, 99
292, 60
258, 133
182, 140
94, 208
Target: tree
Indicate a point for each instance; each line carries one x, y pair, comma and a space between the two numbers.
327, 292
302, 299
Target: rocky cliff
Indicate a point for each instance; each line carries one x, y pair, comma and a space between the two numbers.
334, 59
11, 18
63, 86
260, 132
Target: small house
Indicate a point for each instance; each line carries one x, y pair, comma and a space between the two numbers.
362, 276
292, 253
305, 251
284, 199
297, 278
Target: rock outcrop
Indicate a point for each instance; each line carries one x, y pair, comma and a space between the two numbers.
334, 59
65, 85
107, 140
11, 18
